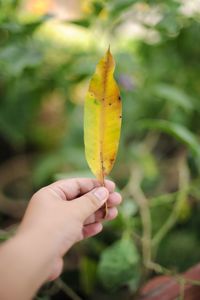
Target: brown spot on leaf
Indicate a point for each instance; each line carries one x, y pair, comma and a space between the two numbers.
119, 98
112, 160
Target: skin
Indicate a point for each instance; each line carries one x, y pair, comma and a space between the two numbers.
57, 217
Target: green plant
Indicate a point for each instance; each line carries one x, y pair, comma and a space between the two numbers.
43, 80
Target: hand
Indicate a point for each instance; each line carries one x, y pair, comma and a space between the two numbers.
65, 212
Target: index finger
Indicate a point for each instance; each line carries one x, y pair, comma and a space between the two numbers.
69, 189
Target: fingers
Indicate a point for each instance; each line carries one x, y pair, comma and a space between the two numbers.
92, 229
100, 215
112, 213
110, 185
96, 227
69, 189
89, 203
114, 199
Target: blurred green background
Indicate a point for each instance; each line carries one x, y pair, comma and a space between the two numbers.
48, 52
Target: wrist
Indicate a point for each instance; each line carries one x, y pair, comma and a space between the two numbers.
30, 267
36, 256
37, 245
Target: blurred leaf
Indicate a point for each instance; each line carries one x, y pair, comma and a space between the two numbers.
163, 199
116, 7
173, 95
184, 249
15, 59
146, 160
81, 22
184, 211
157, 46
11, 27
161, 208
97, 7
16, 30
178, 131
128, 208
10, 132
88, 268
119, 263
46, 166
75, 174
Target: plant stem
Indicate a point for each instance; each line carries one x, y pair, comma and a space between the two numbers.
182, 195
179, 278
67, 290
142, 201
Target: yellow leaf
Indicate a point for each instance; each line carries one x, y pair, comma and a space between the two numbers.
102, 118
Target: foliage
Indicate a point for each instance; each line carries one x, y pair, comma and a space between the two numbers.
45, 65
119, 264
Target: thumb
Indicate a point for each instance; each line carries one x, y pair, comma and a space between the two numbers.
91, 202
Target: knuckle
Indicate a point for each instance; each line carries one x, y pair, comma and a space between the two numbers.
38, 195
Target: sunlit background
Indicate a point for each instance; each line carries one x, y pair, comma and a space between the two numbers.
48, 52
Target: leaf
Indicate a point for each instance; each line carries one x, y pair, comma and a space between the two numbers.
88, 268
173, 95
128, 208
102, 119
86, 22
117, 7
119, 264
180, 132
83, 173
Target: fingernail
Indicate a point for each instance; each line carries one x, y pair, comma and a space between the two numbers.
101, 193
98, 227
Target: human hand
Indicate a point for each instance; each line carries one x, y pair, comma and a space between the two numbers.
66, 212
